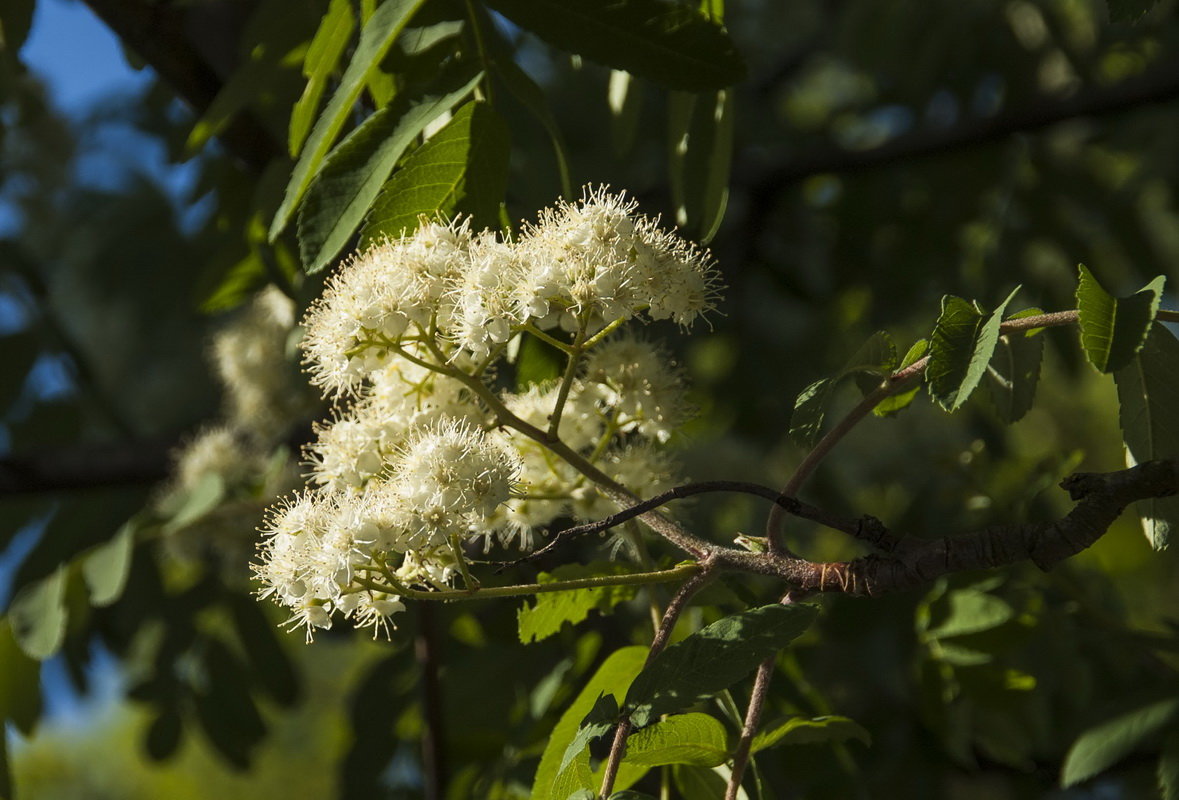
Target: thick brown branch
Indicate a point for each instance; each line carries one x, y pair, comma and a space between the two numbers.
85, 467
1100, 498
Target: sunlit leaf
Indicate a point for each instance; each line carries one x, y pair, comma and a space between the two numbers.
613, 676
38, 616
352, 176
694, 738
105, 568
549, 611
375, 40
322, 58
462, 169
20, 683
1113, 329
961, 347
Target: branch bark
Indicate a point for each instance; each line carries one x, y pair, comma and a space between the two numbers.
1100, 499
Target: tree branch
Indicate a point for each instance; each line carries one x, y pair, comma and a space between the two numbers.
1158, 85
1100, 498
85, 467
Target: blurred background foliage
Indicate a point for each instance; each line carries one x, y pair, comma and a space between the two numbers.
878, 155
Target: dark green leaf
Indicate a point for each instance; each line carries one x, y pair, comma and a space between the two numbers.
680, 739
700, 149
164, 734
551, 610
712, 659
1104, 745
818, 730
16, 18
462, 169
668, 43
630, 794
528, 92
271, 668
699, 783
1113, 329
323, 56
537, 362
1148, 396
613, 676
1168, 770
1014, 371
351, 178
38, 616
971, 611
876, 358
962, 345
224, 707
20, 683
600, 720
898, 402
375, 40
1129, 10
20, 353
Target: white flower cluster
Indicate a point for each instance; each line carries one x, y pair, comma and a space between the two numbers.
424, 454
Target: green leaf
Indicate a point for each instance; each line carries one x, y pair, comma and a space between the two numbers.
1113, 329
898, 402
536, 362
462, 169
1104, 745
697, 783
1014, 370
323, 56
20, 683
105, 568
600, 720
613, 676
165, 733
190, 506
971, 611
1168, 770
529, 93
351, 178
1148, 396
669, 43
681, 739
38, 616
712, 659
818, 730
551, 610
962, 344
876, 357
375, 40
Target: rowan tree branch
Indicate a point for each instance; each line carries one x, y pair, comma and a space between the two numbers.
1159, 85
1100, 499
85, 467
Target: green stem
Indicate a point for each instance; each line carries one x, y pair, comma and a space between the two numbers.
602, 334
571, 365
488, 592
547, 339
